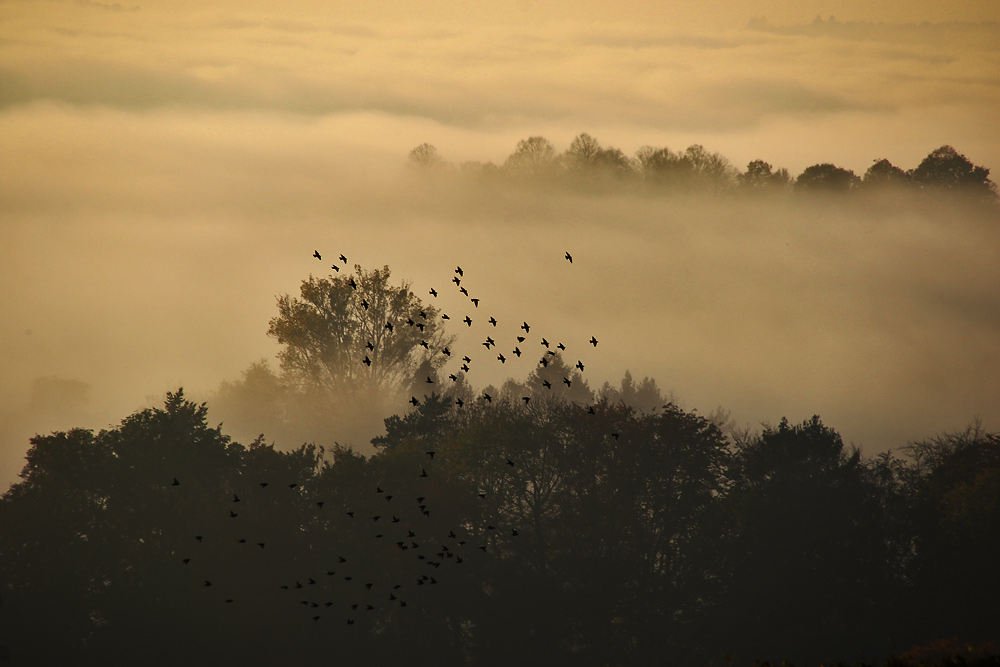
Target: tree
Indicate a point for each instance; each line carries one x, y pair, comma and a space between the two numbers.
425, 156
534, 157
809, 576
826, 177
884, 174
582, 153
357, 342
760, 176
948, 170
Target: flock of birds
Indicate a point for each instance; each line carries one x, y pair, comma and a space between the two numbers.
344, 589
489, 343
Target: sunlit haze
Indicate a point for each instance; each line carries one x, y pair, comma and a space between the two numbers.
168, 169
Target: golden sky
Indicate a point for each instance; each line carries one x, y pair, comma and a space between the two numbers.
166, 165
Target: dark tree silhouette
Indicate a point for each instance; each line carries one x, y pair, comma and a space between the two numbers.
327, 331
884, 174
948, 170
534, 157
826, 177
810, 575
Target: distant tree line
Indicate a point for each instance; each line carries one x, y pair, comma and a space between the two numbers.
499, 533
591, 167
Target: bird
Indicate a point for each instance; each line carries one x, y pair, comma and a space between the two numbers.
521, 339
517, 351
414, 401
463, 291
569, 257
546, 384
388, 325
367, 361
489, 399
446, 352
453, 377
459, 271
475, 302
459, 402
175, 482
561, 347
429, 380
335, 268
317, 255
423, 472
545, 342
236, 498
526, 399
370, 346
593, 341
445, 316
568, 382
468, 320
456, 280
467, 360
353, 284
526, 327
493, 321
263, 485
579, 364
502, 358
433, 292
490, 341
424, 344
365, 304
431, 454
343, 259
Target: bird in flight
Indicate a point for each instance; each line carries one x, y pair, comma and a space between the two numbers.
414, 401
468, 320
569, 257
459, 271
335, 268
526, 327
593, 341
493, 321
317, 255
343, 259
433, 292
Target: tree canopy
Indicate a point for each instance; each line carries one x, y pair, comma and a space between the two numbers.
594, 533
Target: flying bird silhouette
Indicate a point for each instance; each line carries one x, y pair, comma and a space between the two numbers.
593, 341
569, 257
317, 255
433, 292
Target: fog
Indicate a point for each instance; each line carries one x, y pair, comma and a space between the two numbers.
166, 175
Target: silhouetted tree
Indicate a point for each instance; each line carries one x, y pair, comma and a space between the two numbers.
948, 170
884, 174
326, 334
955, 498
826, 177
425, 156
534, 157
760, 177
809, 577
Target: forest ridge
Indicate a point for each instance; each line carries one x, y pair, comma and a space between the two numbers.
588, 165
